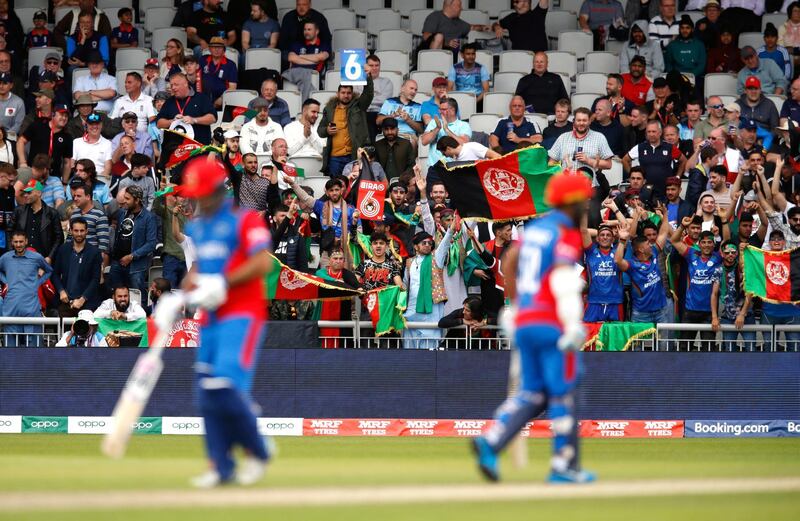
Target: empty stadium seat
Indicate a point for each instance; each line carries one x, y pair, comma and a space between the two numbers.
257, 58
293, 100
238, 98
755, 40
417, 20
601, 61
310, 165
492, 7
573, 6
583, 100
132, 58
466, 103
334, 78
434, 60
777, 99
394, 60
539, 120
777, 19
591, 82
507, 81
381, 19
484, 122
158, 18
349, 39
720, 83
424, 79
576, 42
319, 4
486, 59
323, 96
395, 40
362, 7
516, 61
406, 6
557, 21
396, 78
475, 16
497, 102
615, 173
339, 18
562, 61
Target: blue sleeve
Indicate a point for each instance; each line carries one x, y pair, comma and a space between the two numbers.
149, 242
47, 271
317, 209
104, 50
70, 47
484, 74
385, 108
451, 74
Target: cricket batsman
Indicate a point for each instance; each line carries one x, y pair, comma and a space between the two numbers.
546, 313
226, 284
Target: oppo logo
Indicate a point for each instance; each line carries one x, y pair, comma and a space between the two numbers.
91, 423
44, 424
142, 425
5, 423
279, 425
187, 426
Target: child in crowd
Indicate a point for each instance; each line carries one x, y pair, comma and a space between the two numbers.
126, 35
40, 35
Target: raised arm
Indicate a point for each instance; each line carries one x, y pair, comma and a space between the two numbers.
619, 253
677, 236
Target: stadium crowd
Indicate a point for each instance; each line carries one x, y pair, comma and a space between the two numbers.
93, 219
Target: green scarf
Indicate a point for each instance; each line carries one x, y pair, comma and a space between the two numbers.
454, 255
406, 218
425, 294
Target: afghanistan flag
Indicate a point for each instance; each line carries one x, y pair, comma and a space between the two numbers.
140, 327
773, 276
232, 112
508, 187
386, 308
176, 148
615, 336
284, 283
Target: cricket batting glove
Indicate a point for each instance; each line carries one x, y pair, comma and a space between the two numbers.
210, 293
169, 309
572, 339
507, 320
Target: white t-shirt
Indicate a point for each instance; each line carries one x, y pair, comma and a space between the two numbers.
299, 144
104, 81
98, 153
472, 151
142, 107
256, 139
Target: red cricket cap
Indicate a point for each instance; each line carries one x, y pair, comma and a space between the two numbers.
202, 176
567, 188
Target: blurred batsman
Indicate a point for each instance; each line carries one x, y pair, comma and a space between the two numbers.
226, 284
545, 322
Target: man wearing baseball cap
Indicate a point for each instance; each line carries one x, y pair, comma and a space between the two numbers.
39, 222
135, 101
94, 147
219, 73
430, 108
48, 137
12, 108
770, 76
43, 108
233, 154
98, 83
756, 106
635, 84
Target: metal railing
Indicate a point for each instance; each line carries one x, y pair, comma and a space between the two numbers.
359, 334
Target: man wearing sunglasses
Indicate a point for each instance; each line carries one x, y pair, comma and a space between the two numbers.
715, 119
729, 304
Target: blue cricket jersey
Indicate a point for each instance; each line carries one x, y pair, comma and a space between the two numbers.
605, 279
701, 278
647, 289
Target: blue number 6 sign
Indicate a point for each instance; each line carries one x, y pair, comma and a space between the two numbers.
353, 71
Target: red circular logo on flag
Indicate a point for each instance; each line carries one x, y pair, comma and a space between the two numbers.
291, 281
777, 273
502, 184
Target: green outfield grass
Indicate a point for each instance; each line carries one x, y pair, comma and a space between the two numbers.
40, 463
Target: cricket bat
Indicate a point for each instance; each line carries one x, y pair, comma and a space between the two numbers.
134, 397
519, 445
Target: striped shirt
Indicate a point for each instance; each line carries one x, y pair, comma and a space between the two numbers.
663, 31
97, 233
593, 145
53, 191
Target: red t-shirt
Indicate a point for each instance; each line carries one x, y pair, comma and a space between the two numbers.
636, 93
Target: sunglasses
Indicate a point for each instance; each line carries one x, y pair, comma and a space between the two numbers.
730, 252
93, 118
715, 106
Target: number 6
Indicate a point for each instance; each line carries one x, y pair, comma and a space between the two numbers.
352, 69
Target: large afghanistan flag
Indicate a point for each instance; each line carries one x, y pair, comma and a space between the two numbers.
508, 187
284, 283
773, 276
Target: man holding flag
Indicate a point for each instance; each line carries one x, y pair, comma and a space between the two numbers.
227, 284
546, 313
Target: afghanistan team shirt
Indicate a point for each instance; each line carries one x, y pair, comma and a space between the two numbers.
647, 288
701, 278
605, 279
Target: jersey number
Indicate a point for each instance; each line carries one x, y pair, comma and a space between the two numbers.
530, 271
